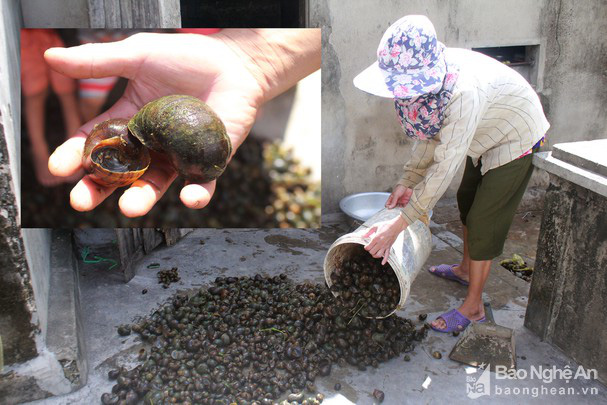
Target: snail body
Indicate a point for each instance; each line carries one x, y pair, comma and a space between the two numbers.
183, 128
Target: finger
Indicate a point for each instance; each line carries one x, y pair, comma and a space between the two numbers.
398, 195
403, 200
94, 60
375, 250
385, 255
370, 232
197, 196
87, 194
140, 198
66, 160
369, 246
380, 253
390, 202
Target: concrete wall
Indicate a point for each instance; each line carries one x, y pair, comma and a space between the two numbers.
24, 254
17, 326
37, 243
575, 77
10, 106
363, 145
568, 295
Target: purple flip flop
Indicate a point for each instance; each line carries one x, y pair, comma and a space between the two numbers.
455, 321
446, 271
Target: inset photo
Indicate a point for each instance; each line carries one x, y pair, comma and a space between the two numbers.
170, 128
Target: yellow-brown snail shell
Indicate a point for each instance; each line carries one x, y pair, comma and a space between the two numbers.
112, 157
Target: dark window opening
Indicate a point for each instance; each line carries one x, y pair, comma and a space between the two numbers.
509, 55
243, 13
522, 58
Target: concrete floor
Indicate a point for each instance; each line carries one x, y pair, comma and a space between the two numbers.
107, 302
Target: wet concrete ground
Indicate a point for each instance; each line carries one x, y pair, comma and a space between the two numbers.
205, 254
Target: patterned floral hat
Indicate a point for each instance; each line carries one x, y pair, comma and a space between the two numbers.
410, 61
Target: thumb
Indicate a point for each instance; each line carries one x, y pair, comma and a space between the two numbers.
94, 60
66, 160
391, 202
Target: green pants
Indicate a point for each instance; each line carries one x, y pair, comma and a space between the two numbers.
487, 204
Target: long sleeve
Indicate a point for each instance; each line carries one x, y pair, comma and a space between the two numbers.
415, 169
448, 150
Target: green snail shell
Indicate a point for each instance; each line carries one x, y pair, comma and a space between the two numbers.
188, 131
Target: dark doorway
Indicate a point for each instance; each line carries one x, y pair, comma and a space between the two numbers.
243, 13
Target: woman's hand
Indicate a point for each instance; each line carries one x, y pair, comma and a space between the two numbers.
400, 196
223, 70
384, 234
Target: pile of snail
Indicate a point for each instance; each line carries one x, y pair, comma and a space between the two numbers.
166, 277
182, 128
361, 282
264, 186
296, 200
253, 340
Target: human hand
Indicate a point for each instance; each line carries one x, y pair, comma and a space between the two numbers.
384, 234
400, 196
220, 70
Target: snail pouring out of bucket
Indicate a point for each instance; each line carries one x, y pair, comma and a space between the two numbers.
365, 286
183, 128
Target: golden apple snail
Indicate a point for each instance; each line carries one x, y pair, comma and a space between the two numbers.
253, 340
189, 132
112, 157
183, 128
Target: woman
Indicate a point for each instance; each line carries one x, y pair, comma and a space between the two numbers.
457, 104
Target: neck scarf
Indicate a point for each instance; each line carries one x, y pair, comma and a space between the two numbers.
422, 117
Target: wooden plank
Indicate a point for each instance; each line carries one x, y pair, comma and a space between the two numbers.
151, 238
152, 15
96, 13
134, 13
145, 13
137, 254
171, 236
126, 13
130, 248
112, 14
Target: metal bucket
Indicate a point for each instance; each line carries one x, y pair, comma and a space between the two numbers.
407, 255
